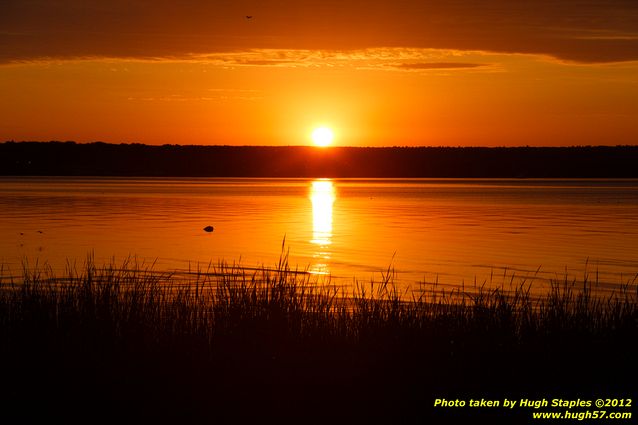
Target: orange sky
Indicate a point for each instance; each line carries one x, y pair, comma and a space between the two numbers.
380, 73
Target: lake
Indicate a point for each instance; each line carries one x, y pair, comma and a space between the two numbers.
454, 232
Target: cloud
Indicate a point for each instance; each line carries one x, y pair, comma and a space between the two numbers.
587, 31
438, 65
265, 62
385, 59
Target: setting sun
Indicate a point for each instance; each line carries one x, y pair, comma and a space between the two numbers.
322, 136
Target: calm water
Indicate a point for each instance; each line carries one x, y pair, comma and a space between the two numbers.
452, 231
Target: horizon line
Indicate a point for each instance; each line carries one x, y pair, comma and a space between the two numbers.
322, 148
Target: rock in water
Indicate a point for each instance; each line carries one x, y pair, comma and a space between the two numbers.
209, 229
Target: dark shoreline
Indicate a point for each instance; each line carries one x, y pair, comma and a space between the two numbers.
137, 160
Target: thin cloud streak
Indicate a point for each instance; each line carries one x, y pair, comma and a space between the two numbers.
383, 59
397, 59
439, 65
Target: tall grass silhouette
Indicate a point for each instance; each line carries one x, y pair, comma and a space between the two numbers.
207, 343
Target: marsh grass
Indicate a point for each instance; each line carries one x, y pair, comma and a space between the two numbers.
229, 342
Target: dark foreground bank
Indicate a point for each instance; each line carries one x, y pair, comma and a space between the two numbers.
102, 159
120, 345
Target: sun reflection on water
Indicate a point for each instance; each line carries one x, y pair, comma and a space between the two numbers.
322, 196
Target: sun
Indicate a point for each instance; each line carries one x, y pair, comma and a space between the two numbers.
322, 136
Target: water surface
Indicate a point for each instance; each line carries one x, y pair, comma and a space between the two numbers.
451, 231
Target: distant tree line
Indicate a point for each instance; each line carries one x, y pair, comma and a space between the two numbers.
103, 159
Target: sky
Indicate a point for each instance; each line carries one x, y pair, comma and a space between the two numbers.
378, 73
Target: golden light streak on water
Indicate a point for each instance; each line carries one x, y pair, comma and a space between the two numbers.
322, 196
